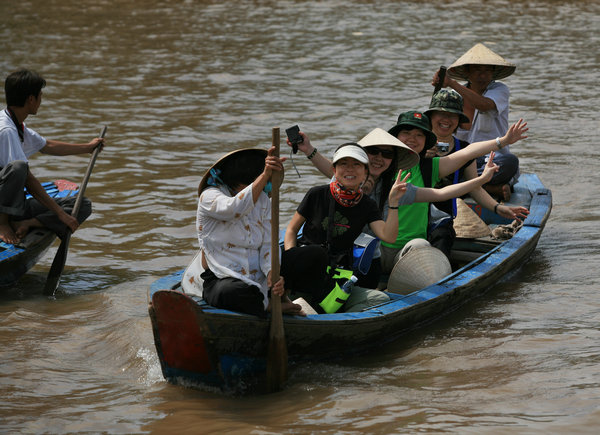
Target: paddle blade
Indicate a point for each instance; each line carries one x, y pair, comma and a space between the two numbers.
277, 357
57, 267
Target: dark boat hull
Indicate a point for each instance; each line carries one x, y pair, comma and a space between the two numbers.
200, 344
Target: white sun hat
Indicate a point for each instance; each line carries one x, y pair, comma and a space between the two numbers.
352, 150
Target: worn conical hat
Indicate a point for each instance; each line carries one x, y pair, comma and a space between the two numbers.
217, 165
479, 54
406, 157
467, 224
418, 268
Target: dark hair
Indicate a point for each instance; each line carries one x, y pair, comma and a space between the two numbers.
242, 168
387, 181
19, 85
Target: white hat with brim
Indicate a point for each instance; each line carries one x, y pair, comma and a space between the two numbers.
406, 157
467, 224
418, 266
479, 54
351, 150
204, 182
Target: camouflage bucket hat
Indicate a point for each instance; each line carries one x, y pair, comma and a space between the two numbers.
415, 119
446, 100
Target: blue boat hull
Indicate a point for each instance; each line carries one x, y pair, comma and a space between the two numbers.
201, 345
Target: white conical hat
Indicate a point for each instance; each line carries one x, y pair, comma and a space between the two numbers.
479, 54
419, 267
467, 224
407, 158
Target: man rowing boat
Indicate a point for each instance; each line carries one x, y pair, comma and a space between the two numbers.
23, 91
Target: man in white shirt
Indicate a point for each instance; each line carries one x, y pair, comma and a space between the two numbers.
486, 104
23, 91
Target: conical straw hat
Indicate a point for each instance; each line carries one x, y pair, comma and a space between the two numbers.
479, 54
204, 182
420, 267
406, 157
467, 224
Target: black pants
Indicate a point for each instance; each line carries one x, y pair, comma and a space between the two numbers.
13, 202
33, 209
371, 278
304, 269
442, 237
232, 294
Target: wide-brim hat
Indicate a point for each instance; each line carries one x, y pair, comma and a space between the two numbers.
479, 54
448, 100
416, 120
406, 157
420, 267
219, 163
467, 224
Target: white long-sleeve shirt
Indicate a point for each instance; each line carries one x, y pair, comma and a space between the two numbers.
235, 235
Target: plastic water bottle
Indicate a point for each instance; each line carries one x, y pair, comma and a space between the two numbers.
347, 287
338, 296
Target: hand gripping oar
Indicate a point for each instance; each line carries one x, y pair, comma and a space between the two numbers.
277, 350
61, 255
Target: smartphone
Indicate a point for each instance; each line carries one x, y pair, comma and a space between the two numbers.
293, 134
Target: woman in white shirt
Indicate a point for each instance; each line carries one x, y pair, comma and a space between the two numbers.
234, 232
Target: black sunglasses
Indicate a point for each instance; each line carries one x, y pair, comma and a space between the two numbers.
386, 154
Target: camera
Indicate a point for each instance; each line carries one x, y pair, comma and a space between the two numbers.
293, 134
443, 147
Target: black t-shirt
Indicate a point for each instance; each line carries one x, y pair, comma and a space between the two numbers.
348, 221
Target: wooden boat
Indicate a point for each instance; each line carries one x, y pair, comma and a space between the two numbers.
199, 345
16, 260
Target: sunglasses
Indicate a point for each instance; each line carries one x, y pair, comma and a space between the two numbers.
386, 154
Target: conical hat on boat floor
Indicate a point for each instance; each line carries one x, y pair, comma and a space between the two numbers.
467, 224
418, 266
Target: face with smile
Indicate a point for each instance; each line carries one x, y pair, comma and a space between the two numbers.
414, 138
380, 159
444, 124
350, 173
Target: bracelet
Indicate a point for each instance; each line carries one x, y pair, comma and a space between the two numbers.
393, 208
311, 155
498, 144
496, 208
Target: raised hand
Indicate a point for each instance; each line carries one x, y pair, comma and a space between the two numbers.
490, 169
398, 190
515, 133
305, 146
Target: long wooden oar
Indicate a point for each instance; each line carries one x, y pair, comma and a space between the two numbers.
277, 351
61, 255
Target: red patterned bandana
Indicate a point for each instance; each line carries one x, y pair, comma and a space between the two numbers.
343, 196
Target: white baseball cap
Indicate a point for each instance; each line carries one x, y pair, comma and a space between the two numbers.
352, 150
